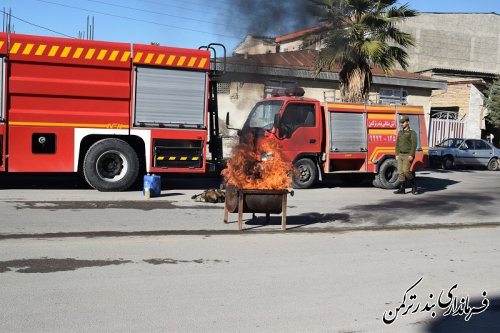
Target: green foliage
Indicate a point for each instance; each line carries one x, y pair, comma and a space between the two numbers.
492, 102
360, 34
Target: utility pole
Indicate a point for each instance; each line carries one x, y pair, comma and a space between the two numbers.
90, 27
7, 21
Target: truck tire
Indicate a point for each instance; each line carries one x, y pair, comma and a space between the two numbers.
387, 175
111, 165
376, 182
306, 173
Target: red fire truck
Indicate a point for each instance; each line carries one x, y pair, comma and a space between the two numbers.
336, 138
107, 110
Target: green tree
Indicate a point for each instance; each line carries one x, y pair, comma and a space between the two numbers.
492, 103
360, 34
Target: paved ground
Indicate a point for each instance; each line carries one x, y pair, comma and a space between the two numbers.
63, 205
76, 260
250, 282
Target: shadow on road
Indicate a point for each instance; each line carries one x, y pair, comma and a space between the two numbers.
298, 221
43, 181
388, 211
426, 183
72, 181
433, 184
399, 209
486, 322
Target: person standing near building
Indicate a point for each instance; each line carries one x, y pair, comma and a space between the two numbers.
406, 145
490, 138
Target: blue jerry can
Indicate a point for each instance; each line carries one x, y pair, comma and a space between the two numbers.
152, 186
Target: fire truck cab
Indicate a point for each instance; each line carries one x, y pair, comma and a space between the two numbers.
336, 138
108, 110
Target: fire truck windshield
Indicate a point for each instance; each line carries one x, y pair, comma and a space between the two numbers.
262, 115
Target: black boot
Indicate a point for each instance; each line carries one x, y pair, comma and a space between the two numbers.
413, 186
401, 189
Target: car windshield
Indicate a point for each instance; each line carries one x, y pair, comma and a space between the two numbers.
262, 115
450, 143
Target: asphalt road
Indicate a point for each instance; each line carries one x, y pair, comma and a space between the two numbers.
76, 260
40, 206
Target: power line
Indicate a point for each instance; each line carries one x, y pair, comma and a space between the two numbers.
137, 20
191, 9
37, 25
153, 12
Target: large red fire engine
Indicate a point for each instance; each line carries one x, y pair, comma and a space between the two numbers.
109, 110
336, 138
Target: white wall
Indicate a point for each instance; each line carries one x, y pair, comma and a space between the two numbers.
473, 119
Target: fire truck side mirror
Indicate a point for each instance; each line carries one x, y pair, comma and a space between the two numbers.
227, 123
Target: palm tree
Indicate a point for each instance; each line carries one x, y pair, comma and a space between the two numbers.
360, 34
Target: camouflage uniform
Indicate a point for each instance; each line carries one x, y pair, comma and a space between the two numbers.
406, 145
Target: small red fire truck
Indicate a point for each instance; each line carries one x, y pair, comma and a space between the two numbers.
107, 110
343, 138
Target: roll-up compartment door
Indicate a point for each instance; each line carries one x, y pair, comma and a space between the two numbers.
347, 132
2, 92
169, 98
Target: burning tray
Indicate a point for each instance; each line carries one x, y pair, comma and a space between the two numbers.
255, 201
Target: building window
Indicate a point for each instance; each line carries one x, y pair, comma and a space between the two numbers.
223, 88
271, 85
393, 96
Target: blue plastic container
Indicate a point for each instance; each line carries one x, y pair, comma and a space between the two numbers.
152, 186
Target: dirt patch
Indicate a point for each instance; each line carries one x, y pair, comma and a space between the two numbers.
50, 265
81, 205
161, 261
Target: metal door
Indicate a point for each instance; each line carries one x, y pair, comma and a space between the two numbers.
347, 132
2, 115
444, 125
170, 98
299, 125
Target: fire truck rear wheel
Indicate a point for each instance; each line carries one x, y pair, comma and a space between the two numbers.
387, 175
111, 165
306, 173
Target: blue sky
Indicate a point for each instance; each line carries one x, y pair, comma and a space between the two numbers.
179, 23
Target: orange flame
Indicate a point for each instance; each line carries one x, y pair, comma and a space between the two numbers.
245, 171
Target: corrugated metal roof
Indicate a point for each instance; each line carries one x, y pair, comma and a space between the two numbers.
304, 60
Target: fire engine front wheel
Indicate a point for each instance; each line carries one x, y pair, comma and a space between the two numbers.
111, 165
387, 175
305, 173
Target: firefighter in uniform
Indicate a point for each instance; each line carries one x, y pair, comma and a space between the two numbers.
406, 145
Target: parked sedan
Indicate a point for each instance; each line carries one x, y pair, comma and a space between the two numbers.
465, 152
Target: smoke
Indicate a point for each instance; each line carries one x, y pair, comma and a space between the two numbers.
270, 17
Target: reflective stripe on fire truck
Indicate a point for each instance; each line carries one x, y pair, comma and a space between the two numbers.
74, 52
92, 53
175, 158
389, 150
109, 125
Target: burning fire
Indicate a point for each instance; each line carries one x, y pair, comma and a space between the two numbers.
246, 170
